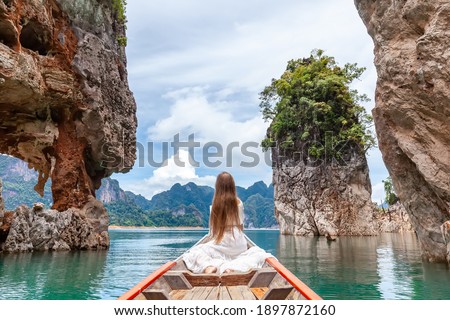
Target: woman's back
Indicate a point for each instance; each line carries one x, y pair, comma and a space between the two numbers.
227, 209
226, 219
233, 241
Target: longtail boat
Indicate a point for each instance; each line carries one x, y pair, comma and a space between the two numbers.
173, 281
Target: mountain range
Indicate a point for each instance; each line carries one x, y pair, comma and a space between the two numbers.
182, 205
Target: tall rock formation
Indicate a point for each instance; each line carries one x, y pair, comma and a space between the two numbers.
65, 105
413, 108
318, 136
323, 200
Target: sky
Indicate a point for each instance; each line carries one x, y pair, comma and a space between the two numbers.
196, 69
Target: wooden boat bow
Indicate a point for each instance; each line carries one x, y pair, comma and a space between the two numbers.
174, 281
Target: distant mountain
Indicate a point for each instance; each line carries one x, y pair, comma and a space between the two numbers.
257, 188
182, 205
259, 212
110, 191
139, 200
19, 182
186, 205
200, 196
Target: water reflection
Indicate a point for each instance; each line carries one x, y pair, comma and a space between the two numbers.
54, 275
391, 285
384, 267
267, 239
437, 278
398, 255
348, 263
134, 254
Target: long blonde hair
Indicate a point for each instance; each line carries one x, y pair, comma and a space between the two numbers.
225, 207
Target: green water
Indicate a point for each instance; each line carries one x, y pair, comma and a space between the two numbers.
384, 267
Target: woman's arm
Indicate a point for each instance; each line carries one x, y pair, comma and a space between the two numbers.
210, 226
241, 213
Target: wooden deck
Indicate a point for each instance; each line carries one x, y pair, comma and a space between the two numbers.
227, 293
261, 284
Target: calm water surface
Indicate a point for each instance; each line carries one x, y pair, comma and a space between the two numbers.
384, 267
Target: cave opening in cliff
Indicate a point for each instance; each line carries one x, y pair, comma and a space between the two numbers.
8, 36
35, 38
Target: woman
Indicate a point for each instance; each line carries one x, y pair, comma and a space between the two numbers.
226, 251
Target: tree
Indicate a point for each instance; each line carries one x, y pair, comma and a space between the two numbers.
390, 195
313, 110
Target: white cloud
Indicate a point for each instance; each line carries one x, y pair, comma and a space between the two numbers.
170, 173
378, 193
241, 44
192, 112
378, 173
197, 66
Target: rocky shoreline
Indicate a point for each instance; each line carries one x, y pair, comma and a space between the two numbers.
38, 229
394, 219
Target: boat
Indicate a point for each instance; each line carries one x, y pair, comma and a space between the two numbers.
173, 281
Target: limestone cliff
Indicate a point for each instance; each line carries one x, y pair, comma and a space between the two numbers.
40, 229
110, 191
323, 200
413, 108
65, 105
393, 219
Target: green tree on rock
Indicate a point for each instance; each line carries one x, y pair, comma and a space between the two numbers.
390, 195
313, 110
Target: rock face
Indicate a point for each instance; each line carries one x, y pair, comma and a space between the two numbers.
394, 219
110, 191
65, 105
65, 109
412, 108
445, 230
323, 200
40, 229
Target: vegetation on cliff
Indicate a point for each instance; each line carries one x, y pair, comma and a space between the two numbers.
120, 9
312, 109
390, 195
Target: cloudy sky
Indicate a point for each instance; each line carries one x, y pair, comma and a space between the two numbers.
196, 68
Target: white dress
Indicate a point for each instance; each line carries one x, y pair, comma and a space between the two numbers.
231, 253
